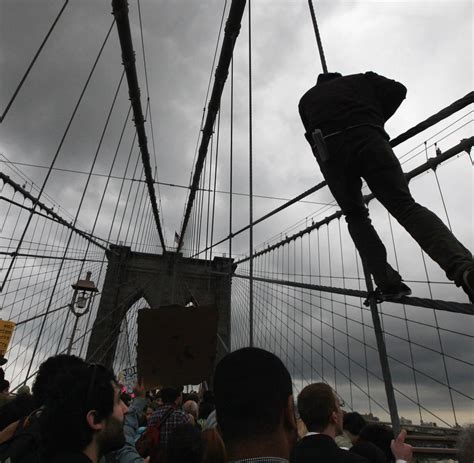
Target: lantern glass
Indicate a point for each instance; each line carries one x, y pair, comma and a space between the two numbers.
81, 301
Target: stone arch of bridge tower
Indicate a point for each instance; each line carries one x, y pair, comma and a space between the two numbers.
161, 280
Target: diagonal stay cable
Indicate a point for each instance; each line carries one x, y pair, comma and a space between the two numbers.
22, 81
173, 185
45, 181
120, 12
79, 208
432, 163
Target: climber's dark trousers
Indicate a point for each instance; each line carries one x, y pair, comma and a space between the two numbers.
365, 152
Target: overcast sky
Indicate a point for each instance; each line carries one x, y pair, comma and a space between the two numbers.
426, 45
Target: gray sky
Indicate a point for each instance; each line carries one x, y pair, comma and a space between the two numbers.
427, 45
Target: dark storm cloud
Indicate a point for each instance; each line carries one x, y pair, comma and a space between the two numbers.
400, 41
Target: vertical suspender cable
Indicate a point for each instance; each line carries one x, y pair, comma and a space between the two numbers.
231, 173
215, 186
250, 185
382, 351
318, 36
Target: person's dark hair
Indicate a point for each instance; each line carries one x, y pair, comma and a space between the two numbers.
353, 422
251, 389
205, 409
208, 396
326, 77
381, 436
192, 396
126, 398
316, 403
185, 445
170, 394
4, 385
72, 395
47, 373
22, 405
207, 405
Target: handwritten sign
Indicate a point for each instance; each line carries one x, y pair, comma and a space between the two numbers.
176, 345
6, 333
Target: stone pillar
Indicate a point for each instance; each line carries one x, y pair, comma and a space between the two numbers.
162, 280
112, 308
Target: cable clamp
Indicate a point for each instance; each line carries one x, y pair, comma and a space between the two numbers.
373, 295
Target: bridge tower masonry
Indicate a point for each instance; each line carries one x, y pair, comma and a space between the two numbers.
161, 280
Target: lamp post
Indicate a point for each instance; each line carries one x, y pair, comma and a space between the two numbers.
80, 301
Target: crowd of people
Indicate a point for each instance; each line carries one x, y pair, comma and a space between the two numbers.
77, 412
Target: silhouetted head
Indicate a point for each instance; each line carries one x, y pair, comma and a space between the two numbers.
83, 408
320, 409
253, 394
171, 395
327, 76
353, 423
4, 386
47, 373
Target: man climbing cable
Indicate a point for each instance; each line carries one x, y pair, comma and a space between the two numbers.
344, 118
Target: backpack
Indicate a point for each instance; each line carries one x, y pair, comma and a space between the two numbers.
25, 444
148, 444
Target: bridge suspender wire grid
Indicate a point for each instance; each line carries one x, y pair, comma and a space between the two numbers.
299, 288
51, 236
309, 290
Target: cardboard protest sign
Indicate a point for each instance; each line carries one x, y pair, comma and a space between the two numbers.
6, 333
176, 345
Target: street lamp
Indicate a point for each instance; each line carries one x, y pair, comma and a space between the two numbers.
81, 300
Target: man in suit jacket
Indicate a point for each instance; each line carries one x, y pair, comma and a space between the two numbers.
320, 409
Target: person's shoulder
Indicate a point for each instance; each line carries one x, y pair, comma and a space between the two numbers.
316, 441
181, 415
162, 409
346, 456
307, 95
159, 412
369, 451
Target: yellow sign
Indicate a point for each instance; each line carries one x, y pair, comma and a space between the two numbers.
6, 333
